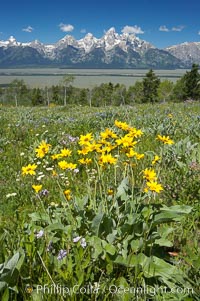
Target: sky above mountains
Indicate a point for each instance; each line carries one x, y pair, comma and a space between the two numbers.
162, 23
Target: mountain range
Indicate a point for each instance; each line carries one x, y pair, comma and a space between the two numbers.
113, 50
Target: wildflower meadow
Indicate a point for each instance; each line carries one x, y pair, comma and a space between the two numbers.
100, 203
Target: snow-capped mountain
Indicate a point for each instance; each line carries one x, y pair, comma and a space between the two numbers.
10, 42
189, 53
112, 50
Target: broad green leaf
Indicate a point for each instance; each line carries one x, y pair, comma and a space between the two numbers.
5, 296
95, 242
96, 223
36, 216
173, 213
36, 296
11, 264
108, 248
122, 189
3, 284
58, 226
163, 242
111, 237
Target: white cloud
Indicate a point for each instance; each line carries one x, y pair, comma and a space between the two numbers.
163, 28
28, 29
132, 29
83, 30
178, 28
174, 28
66, 27
199, 32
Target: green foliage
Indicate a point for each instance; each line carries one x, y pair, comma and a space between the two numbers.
192, 83
37, 97
165, 90
117, 243
151, 83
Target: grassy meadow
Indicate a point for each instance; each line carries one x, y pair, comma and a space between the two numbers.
100, 203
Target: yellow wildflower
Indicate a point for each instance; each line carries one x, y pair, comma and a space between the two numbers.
85, 139
29, 169
54, 173
154, 186
107, 159
139, 156
155, 160
108, 134
130, 153
37, 188
42, 149
126, 141
65, 152
55, 156
107, 149
122, 125
165, 139
85, 161
83, 151
110, 191
66, 165
149, 174
133, 132
67, 194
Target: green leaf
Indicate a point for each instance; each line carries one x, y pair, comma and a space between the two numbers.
111, 237
96, 223
11, 264
163, 242
5, 296
3, 284
180, 209
43, 217
122, 189
95, 242
173, 213
58, 226
36, 296
108, 247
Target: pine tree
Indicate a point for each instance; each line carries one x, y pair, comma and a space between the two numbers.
192, 83
151, 83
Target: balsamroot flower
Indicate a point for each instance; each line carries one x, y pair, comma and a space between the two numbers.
165, 139
153, 186
155, 160
85, 139
29, 169
37, 188
65, 165
67, 194
149, 174
42, 149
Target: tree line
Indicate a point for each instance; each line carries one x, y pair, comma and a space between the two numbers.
150, 90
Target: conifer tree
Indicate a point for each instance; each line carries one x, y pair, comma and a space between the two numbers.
151, 83
192, 83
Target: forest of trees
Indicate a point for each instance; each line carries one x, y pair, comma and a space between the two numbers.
149, 90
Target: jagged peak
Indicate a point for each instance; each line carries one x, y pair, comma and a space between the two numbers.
12, 39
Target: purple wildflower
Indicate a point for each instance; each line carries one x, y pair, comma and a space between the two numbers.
62, 254
83, 243
44, 192
76, 239
40, 234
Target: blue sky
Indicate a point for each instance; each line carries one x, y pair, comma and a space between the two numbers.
162, 23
